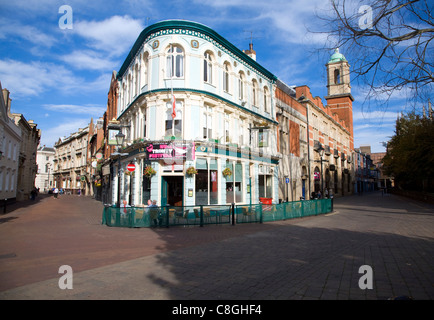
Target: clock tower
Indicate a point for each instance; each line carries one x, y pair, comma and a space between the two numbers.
339, 98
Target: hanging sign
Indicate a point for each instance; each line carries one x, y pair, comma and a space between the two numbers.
170, 151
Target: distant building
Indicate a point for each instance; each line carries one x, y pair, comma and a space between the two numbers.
10, 143
70, 163
366, 172
95, 158
44, 159
24, 152
27, 167
384, 181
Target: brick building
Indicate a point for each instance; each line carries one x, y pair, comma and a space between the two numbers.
316, 141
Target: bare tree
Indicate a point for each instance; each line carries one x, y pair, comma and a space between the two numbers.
389, 45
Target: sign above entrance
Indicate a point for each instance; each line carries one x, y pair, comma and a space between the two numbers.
175, 150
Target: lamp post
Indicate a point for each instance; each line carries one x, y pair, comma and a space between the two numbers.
321, 153
119, 141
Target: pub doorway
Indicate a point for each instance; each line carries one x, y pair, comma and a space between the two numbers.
172, 190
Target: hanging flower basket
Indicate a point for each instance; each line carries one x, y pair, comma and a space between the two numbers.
227, 172
191, 171
149, 171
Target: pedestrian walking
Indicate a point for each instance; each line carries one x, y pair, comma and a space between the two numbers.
56, 192
33, 194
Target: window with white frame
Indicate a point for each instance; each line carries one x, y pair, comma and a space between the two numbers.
136, 80
207, 123
254, 93
144, 70
227, 138
124, 95
130, 88
173, 126
241, 133
207, 67
175, 62
241, 80
226, 70
266, 99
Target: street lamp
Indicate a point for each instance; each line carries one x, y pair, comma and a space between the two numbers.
321, 153
119, 141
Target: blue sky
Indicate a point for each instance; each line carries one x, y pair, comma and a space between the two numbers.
60, 77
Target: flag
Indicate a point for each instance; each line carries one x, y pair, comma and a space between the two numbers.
173, 107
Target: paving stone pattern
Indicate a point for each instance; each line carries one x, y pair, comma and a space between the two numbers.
314, 258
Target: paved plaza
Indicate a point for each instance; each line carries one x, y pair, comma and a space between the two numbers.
314, 258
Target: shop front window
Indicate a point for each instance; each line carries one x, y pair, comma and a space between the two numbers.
206, 182
234, 183
265, 186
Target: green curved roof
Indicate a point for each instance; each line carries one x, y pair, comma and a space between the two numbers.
337, 56
193, 26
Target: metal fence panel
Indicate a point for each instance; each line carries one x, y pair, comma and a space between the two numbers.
139, 217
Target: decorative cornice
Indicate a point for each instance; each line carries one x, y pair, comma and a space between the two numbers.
183, 27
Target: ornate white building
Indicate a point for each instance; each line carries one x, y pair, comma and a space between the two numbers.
189, 98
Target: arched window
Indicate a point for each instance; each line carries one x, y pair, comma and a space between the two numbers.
175, 62
226, 69
241, 85
207, 67
266, 100
124, 95
130, 88
136, 80
144, 77
337, 76
255, 93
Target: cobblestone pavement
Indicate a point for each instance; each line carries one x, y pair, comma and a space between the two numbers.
315, 258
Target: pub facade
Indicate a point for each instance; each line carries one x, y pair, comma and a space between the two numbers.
198, 119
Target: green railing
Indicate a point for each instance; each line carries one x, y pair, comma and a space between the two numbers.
137, 217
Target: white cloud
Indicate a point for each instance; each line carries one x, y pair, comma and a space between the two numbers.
63, 129
31, 79
114, 35
11, 29
91, 110
388, 116
87, 59
35, 78
293, 19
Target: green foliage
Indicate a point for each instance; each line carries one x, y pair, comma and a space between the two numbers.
410, 153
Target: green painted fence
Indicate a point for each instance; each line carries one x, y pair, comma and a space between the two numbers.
138, 217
